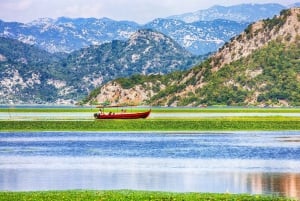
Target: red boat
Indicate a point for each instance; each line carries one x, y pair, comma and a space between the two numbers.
121, 115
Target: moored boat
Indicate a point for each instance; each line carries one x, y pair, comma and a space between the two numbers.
122, 115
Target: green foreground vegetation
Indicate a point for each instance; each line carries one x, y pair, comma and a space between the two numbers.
199, 124
124, 195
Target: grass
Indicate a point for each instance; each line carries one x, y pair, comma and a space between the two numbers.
199, 124
128, 195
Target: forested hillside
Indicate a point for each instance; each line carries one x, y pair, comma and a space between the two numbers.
28, 74
31, 75
259, 67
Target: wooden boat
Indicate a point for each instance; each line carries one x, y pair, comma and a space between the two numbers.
120, 115
110, 115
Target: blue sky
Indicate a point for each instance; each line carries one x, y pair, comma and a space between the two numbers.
140, 11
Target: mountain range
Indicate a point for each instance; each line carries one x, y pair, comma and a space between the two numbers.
31, 75
261, 66
208, 30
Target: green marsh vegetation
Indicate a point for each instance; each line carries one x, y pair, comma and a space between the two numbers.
128, 195
199, 124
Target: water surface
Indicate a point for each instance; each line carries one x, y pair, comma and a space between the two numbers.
89, 115
236, 162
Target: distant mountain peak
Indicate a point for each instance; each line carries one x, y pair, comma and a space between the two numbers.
148, 34
239, 13
42, 21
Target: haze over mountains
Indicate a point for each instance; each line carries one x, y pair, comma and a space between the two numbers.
237, 13
86, 53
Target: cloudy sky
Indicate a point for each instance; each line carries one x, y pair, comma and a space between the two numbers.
140, 11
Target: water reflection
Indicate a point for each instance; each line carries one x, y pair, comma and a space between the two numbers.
284, 184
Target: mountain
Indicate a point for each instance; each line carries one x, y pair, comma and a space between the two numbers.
200, 37
261, 66
146, 52
31, 75
238, 13
212, 28
28, 73
67, 35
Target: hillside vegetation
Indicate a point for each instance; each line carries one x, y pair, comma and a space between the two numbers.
31, 75
28, 73
259, 67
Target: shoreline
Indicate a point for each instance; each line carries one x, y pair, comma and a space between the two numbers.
157, 109
200, 132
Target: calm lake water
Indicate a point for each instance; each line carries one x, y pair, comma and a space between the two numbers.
235, 162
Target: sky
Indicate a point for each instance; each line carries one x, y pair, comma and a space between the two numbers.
140, 11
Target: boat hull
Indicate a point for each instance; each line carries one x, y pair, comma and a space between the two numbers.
137, 115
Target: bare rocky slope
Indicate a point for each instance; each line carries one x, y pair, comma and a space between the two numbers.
261, 66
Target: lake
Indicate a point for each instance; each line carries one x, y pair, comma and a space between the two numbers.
235, 162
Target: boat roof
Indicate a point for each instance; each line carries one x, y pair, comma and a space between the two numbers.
110, 106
